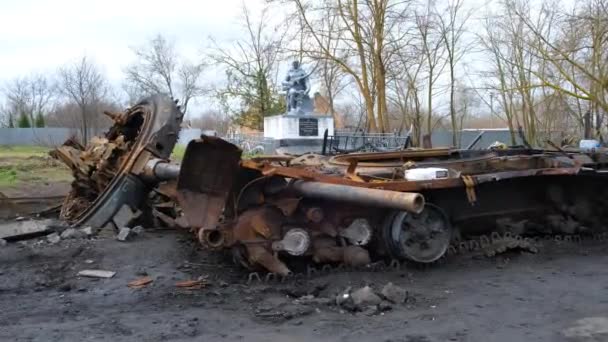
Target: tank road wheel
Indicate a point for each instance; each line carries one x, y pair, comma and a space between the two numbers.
114, 164
423, 237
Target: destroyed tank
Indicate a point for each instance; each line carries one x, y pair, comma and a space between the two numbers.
349, 209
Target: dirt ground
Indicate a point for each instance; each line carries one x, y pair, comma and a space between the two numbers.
554, 295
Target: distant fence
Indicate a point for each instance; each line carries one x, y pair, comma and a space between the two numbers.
48, 136
252, 142
344, 141
358, 142
444, 138
53, 136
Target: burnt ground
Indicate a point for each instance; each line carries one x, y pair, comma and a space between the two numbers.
558, 294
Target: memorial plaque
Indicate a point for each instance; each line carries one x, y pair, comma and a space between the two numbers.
309, 127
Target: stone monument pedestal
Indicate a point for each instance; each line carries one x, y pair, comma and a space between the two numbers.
297, 134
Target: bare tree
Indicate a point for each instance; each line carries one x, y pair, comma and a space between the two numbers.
362, 40
28, 96
332, 76
250, 64
160, 69
573, 62
433, 49
497, 41
83, 83
7, 116
542, 60
212, 119
452, 25
406, 86
67, 114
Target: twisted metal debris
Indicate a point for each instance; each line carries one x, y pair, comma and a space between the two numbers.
109, 172
352, 211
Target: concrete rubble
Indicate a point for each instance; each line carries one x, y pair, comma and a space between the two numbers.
366, 300
394, 294
96, 274
312, 300
124, 234
72, 233
365, 296
278, 309
24, 229
138, 230
88, 231
53, 238
124, 216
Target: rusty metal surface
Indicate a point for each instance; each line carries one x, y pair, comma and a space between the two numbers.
350, 209
266, 207
208, 170
404, 185
407, 201
106, 170
386, 159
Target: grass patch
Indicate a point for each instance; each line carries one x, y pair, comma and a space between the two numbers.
8, 176
23, 151
178, 153
31, 165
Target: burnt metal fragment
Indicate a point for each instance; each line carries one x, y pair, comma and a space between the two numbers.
108, 171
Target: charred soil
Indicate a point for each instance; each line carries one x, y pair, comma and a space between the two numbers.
554, 295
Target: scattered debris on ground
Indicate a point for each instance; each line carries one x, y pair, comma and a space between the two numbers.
72, 233
25, 229
367, 301
140, 283
53, 238
191, 284
124, 234
43, 278
96, 274
88, 231
138, 230
394, 294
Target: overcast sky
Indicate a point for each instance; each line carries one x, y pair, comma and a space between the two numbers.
40, 35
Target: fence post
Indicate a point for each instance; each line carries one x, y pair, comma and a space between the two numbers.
325, 135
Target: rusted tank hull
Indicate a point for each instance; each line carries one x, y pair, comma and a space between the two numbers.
338, 207
349, 209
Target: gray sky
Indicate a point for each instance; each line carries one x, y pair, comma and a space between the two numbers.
41, 35
38, 36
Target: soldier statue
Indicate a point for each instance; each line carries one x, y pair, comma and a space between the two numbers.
297, 86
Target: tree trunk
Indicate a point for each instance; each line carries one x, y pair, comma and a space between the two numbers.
455, 142
429, 119
85, 133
